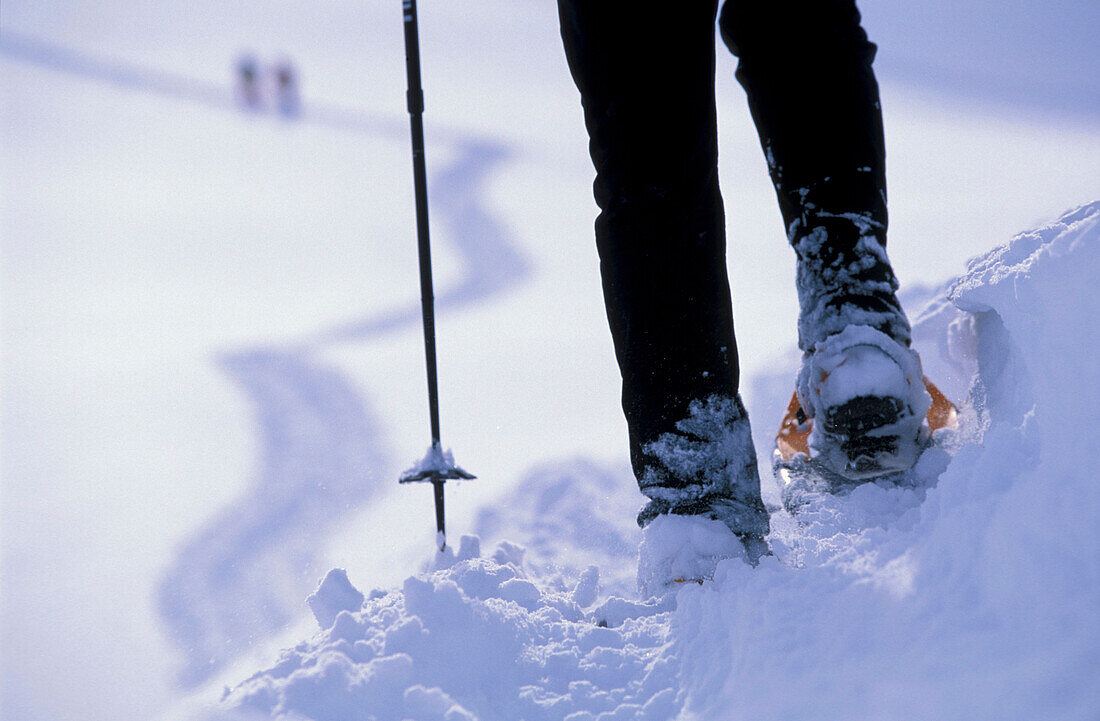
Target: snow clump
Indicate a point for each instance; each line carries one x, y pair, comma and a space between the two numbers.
473, 639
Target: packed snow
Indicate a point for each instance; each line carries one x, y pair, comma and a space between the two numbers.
969, 595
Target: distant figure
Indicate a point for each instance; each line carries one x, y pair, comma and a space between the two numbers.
249, 88
286, 89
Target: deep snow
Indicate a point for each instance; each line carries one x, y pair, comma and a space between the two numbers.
969, 595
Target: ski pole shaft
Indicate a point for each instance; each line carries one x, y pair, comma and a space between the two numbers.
415, 101
440, 528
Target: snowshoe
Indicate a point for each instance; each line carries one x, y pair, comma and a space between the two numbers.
863, 411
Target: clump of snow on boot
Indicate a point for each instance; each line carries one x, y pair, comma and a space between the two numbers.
860, 361
683, 549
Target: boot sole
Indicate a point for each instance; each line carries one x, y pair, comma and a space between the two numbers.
857, 429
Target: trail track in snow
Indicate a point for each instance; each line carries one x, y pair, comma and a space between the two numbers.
323, 453
243, 576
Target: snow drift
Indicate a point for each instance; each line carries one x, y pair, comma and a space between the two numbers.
971, 594
977, 601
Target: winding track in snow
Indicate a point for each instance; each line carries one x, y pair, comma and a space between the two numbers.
244, 574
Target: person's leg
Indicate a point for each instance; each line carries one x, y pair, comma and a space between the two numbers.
806, 67
645, 71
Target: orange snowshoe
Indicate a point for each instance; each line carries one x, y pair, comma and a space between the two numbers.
794, 464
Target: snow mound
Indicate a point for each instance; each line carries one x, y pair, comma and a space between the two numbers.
971, 593
335, 594
475, 639
571, 515
972, 596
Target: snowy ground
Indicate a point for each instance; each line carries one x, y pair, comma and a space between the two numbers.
211, 374
969, 593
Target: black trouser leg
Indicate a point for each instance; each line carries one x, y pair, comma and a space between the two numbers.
646, 76
645, 71
806, 66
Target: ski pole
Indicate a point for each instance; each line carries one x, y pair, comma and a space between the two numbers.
436, 467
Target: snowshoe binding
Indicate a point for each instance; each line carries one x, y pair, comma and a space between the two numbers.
862, 412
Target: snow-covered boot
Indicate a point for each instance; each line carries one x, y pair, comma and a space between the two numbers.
860, 382
844, 278
866, 395
678, 549
701, 476
706, 466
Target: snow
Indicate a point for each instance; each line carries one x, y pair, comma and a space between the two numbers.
438, 463
212, 364
976, 603
681, 549
477, 635
335, 594
860, 360
970, 596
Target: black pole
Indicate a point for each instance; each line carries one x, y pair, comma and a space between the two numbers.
440, 524
415, 101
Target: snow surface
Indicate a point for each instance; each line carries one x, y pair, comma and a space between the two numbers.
212, 368
972, 596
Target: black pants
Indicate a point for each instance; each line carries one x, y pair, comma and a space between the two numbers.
645, 71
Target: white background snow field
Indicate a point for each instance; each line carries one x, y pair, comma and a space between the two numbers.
212, 375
